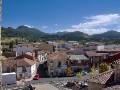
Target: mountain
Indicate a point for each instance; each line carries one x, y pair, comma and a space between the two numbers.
74, 36
35, 34
9, 32
23, 32
61, 33
30, 32
107, 35
67, 36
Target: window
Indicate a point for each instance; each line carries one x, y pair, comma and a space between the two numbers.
59, 64
8, 69
13, 69
51, 63
24, 69
20, 75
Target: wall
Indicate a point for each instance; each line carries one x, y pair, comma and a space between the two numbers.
42, 57
33, 70
22, 49
100, 47
27, 74
55, 64
117, 72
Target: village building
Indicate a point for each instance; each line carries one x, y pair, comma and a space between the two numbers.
76, 51
55, 60
26, 68
108, 79
79, 60
24, 65
42, 56
46, 47
23, 48
111, 49
9, 65
96, 58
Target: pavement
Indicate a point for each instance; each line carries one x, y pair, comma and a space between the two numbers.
115, 87
37, 87
46, 80
45, 87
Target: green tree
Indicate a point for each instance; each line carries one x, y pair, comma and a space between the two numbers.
11, 44
69, 71
16, 41
78, 75
92, 71
103, 67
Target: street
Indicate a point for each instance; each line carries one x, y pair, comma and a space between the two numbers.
51, 81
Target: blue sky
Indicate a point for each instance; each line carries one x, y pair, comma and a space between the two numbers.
88, 16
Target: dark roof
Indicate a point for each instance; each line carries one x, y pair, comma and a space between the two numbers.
78, 51
113, 58
93, 54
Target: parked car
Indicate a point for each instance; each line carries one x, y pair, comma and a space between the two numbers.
36, 77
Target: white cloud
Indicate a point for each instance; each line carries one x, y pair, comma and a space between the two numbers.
97, 24
56, 25
28, 26
118, 29
44, 27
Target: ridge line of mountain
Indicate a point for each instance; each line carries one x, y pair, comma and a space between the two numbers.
29, 33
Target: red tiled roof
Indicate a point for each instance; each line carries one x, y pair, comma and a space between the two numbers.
29, 53
25, 62
9, 61
57, 56
102, 78
25, 56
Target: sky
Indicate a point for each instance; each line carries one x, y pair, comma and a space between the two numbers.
88, 16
